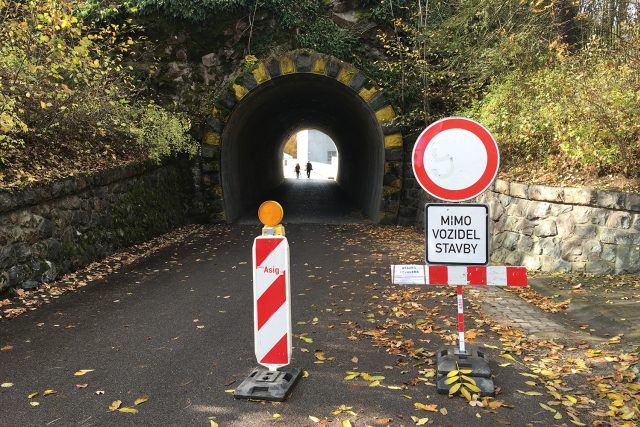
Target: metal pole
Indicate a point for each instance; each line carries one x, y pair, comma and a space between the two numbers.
460, 319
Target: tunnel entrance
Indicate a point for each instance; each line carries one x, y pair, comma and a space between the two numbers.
315, 147
243, 151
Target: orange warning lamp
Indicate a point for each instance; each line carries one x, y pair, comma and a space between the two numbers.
270, 213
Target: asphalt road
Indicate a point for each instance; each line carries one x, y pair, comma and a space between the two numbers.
138, 330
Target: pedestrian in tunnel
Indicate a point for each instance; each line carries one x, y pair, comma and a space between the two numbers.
309, 169
297, 169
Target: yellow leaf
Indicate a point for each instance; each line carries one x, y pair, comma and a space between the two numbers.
453, 373
466, 371
531, 383
352, 376
6, 385
454, 388
231, 390
32, 395
394, 387
547, 407
571, 399
320, 355
128, 410
141, 400
558, 416
212, 423
472, 387
115, 405
314, 419
530, 393
81, 372
465, 393
305, 374
430, 408
374, 383
451, 380
346, 423
34, 403
43, 105
507, 356
48, 392
276, 416
468, 379
444, 411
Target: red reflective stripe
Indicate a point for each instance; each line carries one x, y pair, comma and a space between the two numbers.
278, 354
516, 276
271, 300
264, 247
438, 275
477, 276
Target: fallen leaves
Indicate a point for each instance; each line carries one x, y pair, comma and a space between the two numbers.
430, 408
6, 385
82, 372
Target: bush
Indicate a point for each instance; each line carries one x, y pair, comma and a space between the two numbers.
65, 87
583, 111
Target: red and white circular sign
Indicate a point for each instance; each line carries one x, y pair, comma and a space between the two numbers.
455, 159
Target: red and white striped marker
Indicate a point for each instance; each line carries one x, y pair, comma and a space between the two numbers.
271, 301
421, 274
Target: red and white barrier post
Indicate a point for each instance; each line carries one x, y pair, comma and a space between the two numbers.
271, 312
460, 319
271, 301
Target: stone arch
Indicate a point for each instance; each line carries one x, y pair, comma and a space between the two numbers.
287, 93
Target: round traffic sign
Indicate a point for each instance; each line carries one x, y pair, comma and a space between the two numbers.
455, 159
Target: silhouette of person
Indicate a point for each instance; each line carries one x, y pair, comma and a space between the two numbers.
297, 169
309, 169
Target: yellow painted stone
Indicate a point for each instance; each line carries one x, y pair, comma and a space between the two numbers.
346, 74
393, 141
240, 91
261, 74
319, 67
368, 94
395, 184
211, 138
385, 114
286, 66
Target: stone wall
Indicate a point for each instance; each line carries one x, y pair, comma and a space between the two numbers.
551, 228
47, 230
564, 229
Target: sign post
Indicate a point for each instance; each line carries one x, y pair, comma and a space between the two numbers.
456, 159
271, 312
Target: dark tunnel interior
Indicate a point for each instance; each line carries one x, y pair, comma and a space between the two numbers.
258, 127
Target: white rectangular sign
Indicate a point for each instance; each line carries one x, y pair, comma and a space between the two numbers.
457, 234
408, 274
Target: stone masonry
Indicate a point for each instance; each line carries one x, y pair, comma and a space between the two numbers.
53, 228
551, 228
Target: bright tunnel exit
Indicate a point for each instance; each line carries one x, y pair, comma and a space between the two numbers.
310, 149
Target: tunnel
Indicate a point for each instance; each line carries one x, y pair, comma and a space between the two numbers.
255, 134
269, 105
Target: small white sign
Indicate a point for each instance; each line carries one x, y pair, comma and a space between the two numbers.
457, 234
408, 274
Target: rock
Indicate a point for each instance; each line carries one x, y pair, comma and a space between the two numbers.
627, 259
210, 60
580, 196
50, 273
546, 193
532, 262
555, 264
45, 228
181, 54
29, 284
619, 219
538, 210
546, 229
518, 190
341, 6
611, 199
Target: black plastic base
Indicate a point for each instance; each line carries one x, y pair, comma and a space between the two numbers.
450, 358
263, 384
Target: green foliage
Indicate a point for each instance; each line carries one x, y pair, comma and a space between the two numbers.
161, 133
323, 35
583, 111
64, 83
